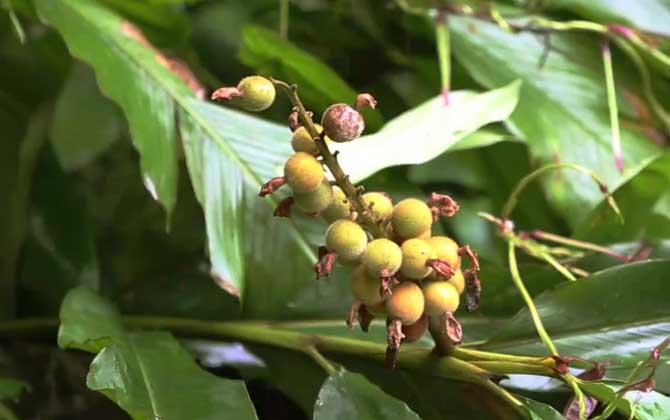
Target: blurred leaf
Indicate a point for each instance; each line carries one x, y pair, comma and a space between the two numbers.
131, 75
426, 131
540, 411
11, 389
645, 406
562, 111
647, 15
481, 138
350, 395
623, 309
148, 374
319, 85
85, 123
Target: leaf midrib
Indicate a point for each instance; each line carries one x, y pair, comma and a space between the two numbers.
184, 104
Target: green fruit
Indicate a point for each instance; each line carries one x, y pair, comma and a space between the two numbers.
440, 297
406, 303
339, 208
382, 255
446, 249
315, 201
382, 206
411, 218
415, 255
303, 173
347, 239
303, 142
365, 287
258, 93
458, 281
342, 123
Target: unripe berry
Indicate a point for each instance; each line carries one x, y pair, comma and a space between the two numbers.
315, 201
339, 208
406, 303
303, 172
382, 256
426, 235
303, 142
347, 239
342, 123
446, 249
440, 296
415, 255
411, 218
365, 287
258, 93
382, 206
458, 281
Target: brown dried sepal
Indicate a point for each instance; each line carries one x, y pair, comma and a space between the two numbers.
358, 312
394, 337
324, 266
365, 99
272, 185
226, 93
442, 205
452, 327
283, 208
386, 281
474, 259
473, 289
442, 267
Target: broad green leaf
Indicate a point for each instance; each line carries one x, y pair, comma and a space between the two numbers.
618, 314
11, 389
132, 76
148, 374
320, 86
541, 411
562, 112
648, 15
645, 406
350, 395
412, 137
85, 123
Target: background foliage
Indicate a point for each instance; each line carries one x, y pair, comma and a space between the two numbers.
123, 186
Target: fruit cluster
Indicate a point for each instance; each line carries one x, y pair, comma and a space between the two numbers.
398, 267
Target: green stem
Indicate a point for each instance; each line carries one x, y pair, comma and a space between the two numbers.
283, 18
612, 105
516, 277
443, 53
558, 266
312, 352
574, 384
539, 234
6, 413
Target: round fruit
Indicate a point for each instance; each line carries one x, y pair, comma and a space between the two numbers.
315, 201
414, 332
458, 281
425, 235
446, 249
303, 172
347, 239
415, 255
339, 208
258, 93
411, 218
440, 296
365, 287
380, 205
342, 123
382, 255
303, 142
406, 303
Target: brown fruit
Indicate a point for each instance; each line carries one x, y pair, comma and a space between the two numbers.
411, 218
414, 332
303, 173
342, 123
415, 255
440, 297
406, 303
347, 239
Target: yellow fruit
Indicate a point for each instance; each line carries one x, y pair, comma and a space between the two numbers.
415, 255
303, 142
365, 287
440, 296
339, 208
315, 201
382, 206
303, 173
406, 303
382, 256
258, 93
458, 281
347, 239
411, 218
426, 235
446, 249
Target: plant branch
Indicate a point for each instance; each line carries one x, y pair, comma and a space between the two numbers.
612, 105
539, 234
443, 52
283, 18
